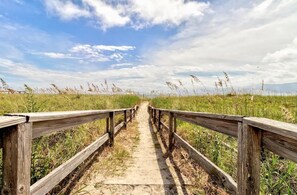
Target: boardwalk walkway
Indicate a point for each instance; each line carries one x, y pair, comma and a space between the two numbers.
148, 171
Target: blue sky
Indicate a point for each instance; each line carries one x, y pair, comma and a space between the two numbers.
140, 45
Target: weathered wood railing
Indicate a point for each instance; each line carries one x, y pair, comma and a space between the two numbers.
18, 130
252, 134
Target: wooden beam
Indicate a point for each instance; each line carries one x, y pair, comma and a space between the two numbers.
213, 170
45, 116
280, 128
7, 121
43, 128
171, 132
125, 119
48, 182
17, 141
159, 120
223, 126
249, 151
280, 145
111, 128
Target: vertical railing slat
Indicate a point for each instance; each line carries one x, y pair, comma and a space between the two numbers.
249, 151
17, 141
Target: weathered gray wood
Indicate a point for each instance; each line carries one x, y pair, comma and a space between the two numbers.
237, 118
164, 126
223, 126
131, 114
7, 121
280, 145
154, 116
42, 128
48, 182
125, 119
249, 151
17, 141
111, 128
44, 116
171, 132
159, 120
213, 170
280, 128
118, 128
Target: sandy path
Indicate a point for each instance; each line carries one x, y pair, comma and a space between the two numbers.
147, 172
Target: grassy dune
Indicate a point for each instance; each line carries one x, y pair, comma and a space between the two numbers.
278, 176
51, 151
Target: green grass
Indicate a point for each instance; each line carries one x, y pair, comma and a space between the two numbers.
49, 152
278, 176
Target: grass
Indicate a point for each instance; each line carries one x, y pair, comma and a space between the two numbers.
49, 152
278, 176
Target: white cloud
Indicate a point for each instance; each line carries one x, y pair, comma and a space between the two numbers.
92, 53
136, 13
56, 55
105, 14
168, 12
66, 10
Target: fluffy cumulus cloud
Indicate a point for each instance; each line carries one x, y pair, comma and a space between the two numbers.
135, 13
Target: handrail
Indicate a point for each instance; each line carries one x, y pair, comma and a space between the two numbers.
18, 130
252, 135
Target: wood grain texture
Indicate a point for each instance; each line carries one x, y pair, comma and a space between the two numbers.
43, 128
213, 170
17, 141
237, 118
44, 116
48, 182
280, 128
280, 145
223, 126
7, 121
249, 164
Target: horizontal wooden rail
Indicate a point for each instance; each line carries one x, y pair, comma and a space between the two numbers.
252, 134
213, 170
18, 130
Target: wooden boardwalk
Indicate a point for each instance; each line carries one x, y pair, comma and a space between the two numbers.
148, 171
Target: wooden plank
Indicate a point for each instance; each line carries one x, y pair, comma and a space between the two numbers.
118, 128
7, 121
249, 164
164, 126
111, 128
159, 120
213, 170
125, 119
44, 116
223, 126
48, 182
47, 127
171, 133
17, 141
281, 128
280, 145
237, 118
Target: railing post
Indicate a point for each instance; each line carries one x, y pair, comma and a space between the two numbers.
171, 130
111, 128
17, 142
125, 119
249, 151
154, 116
131, 115
159, 120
